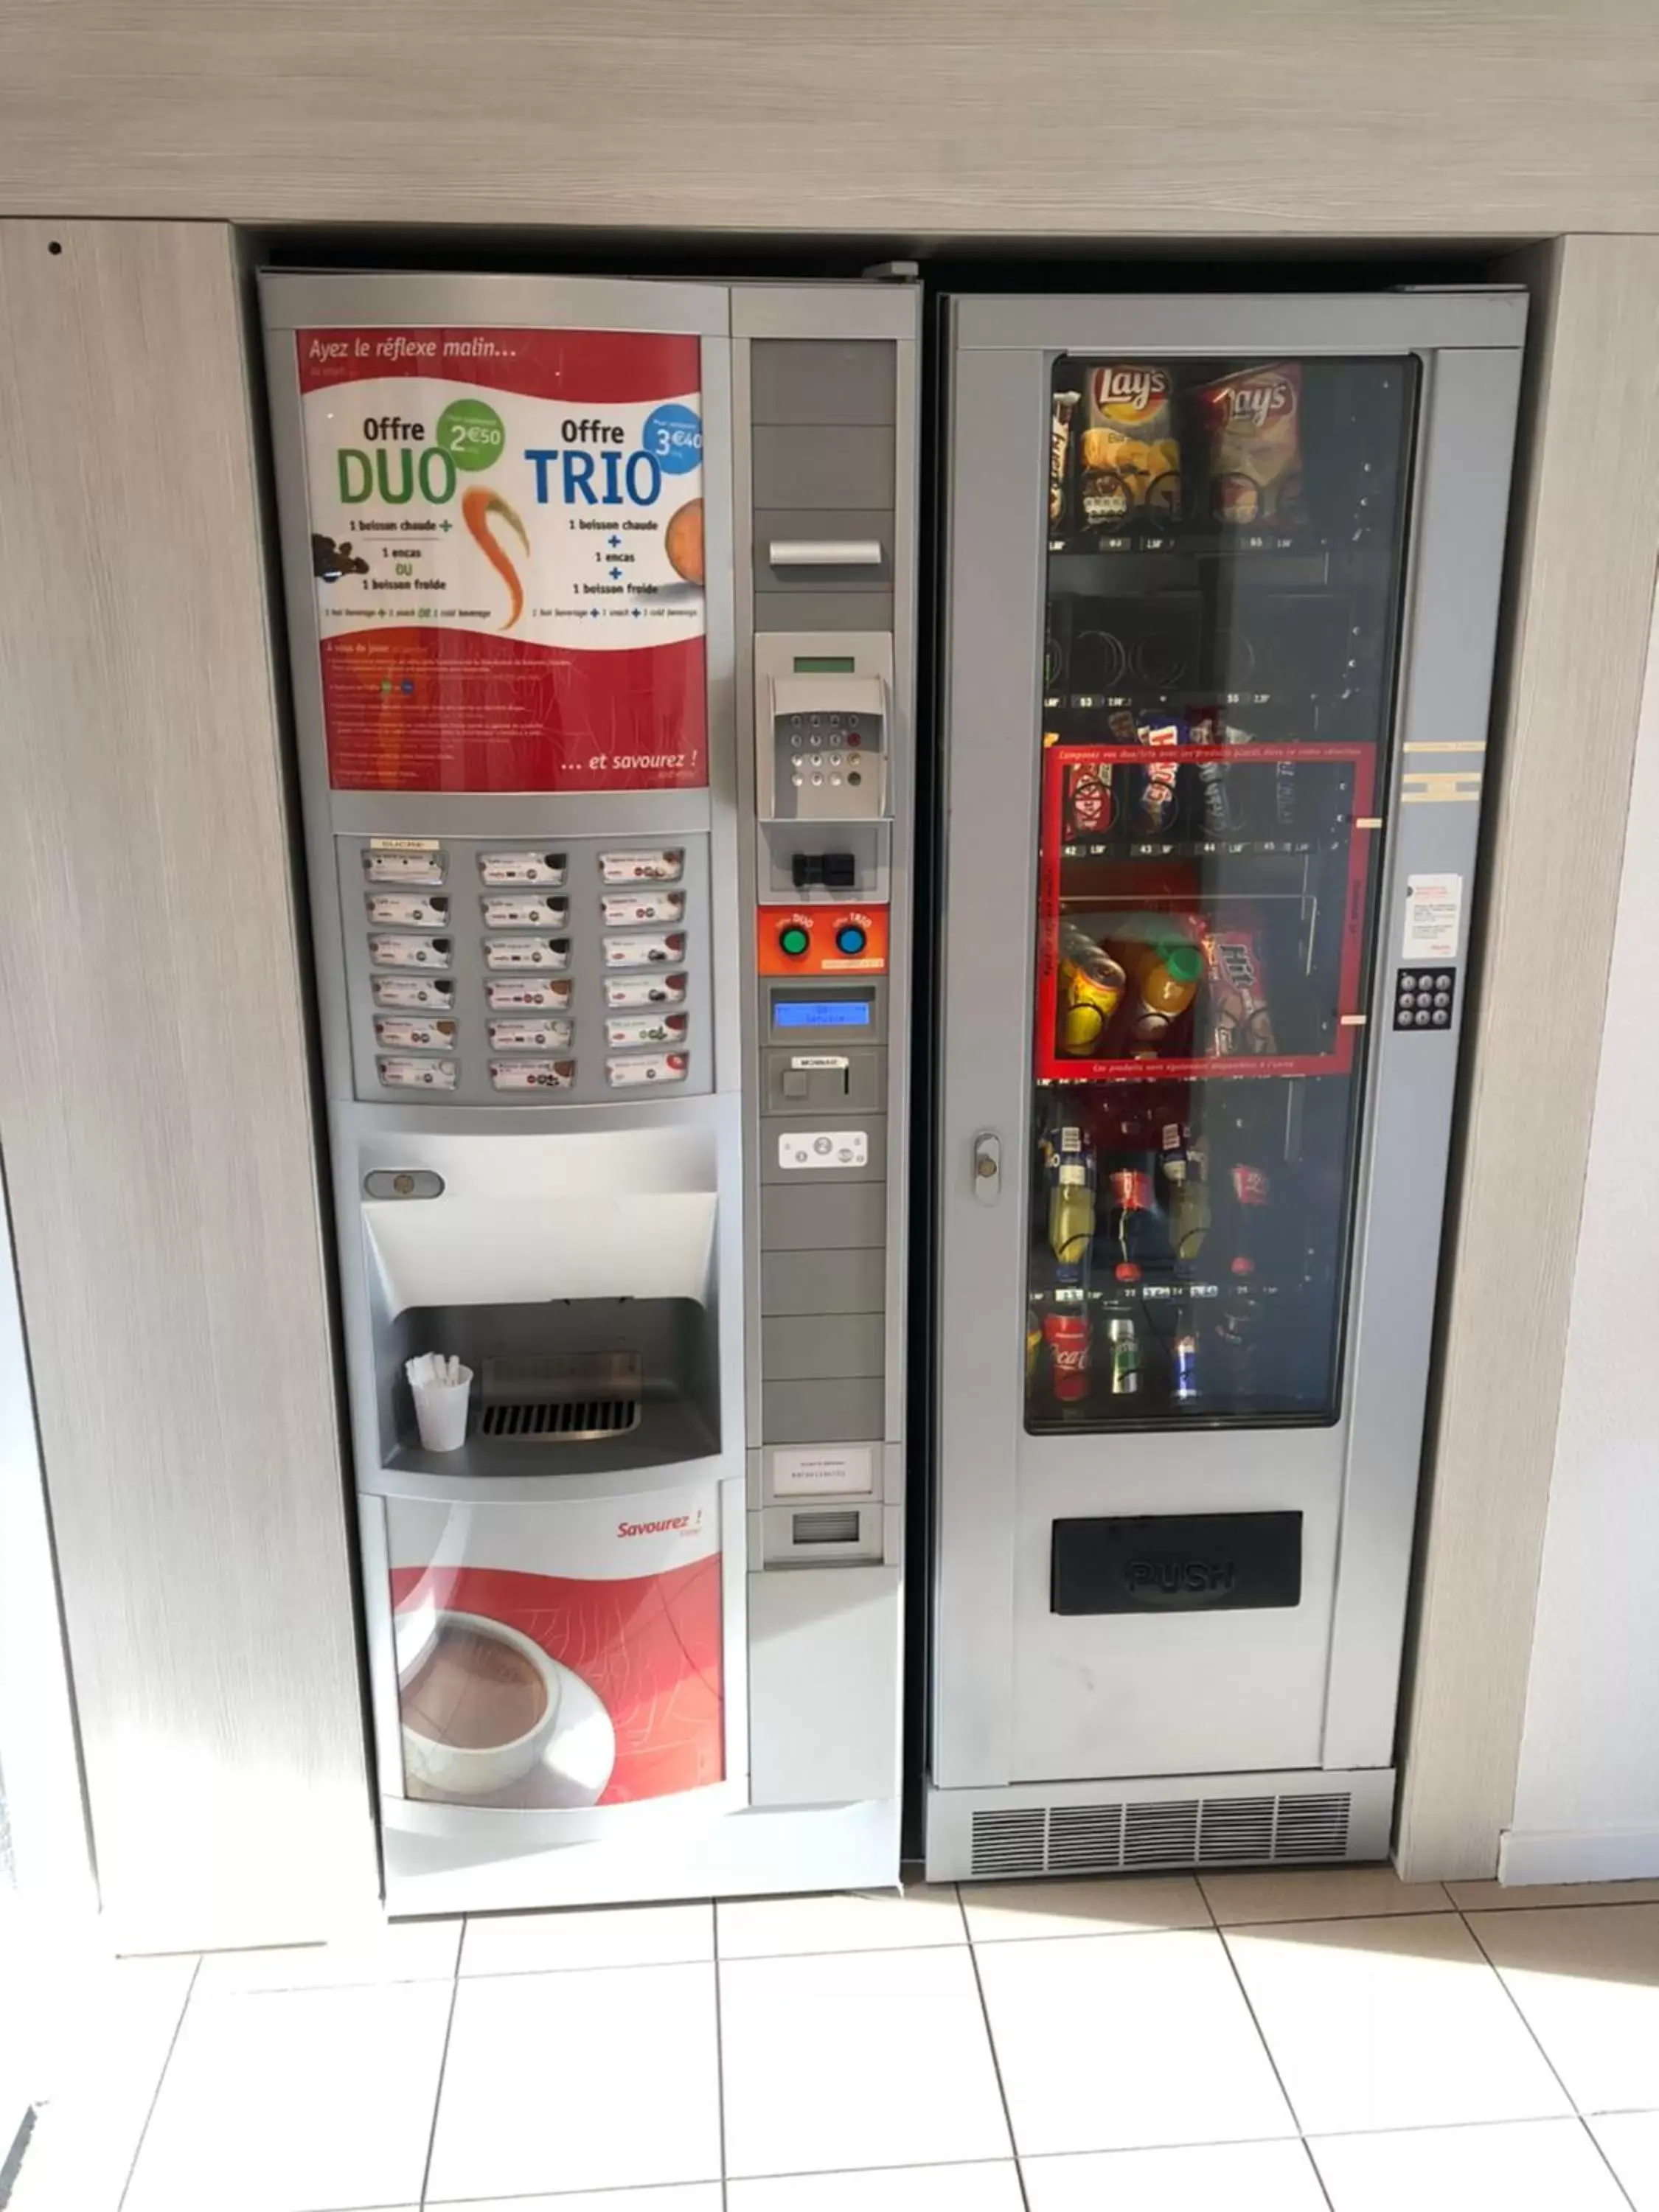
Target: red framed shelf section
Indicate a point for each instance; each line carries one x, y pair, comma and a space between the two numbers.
1048, 1066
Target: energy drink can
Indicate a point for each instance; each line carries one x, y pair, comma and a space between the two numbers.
1183, 1359
1123, 1345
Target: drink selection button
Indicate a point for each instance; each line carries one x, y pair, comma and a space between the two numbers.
850, 937
793, 940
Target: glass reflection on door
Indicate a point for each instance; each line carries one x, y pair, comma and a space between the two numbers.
1225, 561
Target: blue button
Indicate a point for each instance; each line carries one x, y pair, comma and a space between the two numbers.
849, 938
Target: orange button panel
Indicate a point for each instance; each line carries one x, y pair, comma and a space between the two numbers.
822, 940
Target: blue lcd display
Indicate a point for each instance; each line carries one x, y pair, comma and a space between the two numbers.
820, 1013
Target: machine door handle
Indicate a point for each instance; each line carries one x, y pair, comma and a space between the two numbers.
987, 1166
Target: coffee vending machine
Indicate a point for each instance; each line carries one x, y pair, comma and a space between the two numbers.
601, 601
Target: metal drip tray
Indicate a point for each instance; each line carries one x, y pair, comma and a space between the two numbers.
583, 1399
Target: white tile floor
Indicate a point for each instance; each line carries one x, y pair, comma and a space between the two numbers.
1326, 2042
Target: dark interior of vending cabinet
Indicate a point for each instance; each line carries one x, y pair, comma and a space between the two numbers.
1269, 626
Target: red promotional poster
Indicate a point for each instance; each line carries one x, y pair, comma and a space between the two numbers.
507, 545
560, 1656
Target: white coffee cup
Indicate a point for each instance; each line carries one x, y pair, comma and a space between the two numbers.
460, 1769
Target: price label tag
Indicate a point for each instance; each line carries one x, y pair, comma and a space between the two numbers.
642, 951
650, 1067
645, 1028
412, 1034
661, 867
419, 1074
529, 1036
528, 991
413, 991
408, 910
522, 867
645, 991
525, 914
532, 1074
408, 952
526, 952
621, 907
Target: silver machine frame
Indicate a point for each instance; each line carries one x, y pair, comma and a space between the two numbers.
812, 1634
1091, 1743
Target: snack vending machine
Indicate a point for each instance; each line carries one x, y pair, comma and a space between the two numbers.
601, 606
1222, 583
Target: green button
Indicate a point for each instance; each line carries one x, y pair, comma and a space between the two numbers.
794, 939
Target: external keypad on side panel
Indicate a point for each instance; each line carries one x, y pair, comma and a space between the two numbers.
1423, 998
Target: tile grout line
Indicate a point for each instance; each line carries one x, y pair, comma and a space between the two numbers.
162, 2076
1261, 2037
1492, 1968
719, 2042
443, 2067
991, 2044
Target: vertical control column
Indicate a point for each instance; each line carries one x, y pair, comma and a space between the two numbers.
832, 452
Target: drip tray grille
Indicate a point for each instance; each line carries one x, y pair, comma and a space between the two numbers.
561, 1400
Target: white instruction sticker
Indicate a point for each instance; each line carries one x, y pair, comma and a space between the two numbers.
847, 1470
823, 1148
1434, 912
809, 1059
391, 861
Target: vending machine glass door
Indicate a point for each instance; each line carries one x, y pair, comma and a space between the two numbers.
1221, 611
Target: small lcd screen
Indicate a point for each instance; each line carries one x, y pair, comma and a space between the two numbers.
825, 664
820, 1013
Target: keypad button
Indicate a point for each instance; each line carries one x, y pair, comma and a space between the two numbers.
1421, 1018
1441, 1017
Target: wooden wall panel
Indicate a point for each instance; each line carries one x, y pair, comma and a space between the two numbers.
154, 1102
1583, 591
1150, 119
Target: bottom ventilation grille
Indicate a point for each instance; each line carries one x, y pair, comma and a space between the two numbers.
1033, 1839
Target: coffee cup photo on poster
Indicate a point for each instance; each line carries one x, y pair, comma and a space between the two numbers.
558, 1655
